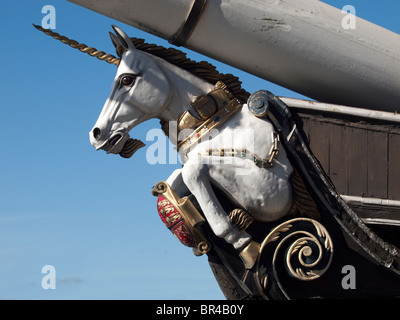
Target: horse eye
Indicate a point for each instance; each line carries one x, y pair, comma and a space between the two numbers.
127, 80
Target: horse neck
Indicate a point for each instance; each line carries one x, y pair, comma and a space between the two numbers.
185, 87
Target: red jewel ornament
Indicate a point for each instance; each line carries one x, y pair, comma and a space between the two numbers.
174, 222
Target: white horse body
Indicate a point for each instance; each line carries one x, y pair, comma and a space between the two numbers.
259, 191
162, 90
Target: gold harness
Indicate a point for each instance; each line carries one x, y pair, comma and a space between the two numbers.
212, 111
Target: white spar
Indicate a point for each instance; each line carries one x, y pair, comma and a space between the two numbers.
298, 44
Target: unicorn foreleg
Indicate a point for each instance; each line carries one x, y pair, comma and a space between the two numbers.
196, 177
175, 180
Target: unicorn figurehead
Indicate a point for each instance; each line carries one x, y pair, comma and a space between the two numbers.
140, 91
155, 82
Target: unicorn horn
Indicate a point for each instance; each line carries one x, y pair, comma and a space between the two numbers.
101, 55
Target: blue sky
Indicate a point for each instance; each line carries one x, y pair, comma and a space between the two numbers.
89, 214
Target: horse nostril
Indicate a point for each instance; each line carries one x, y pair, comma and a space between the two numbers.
96, 133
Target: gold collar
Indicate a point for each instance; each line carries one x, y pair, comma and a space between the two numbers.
211, 111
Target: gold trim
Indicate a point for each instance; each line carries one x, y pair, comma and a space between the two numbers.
187, 121
205, 106
205, 109
303, 241
101, 55
194, 220
215, 121
249, 254
240, 153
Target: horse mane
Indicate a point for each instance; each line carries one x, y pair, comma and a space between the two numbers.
203, 69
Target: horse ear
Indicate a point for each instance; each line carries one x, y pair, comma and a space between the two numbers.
114, 39
123, 38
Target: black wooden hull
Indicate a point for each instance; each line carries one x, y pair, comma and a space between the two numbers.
360, 262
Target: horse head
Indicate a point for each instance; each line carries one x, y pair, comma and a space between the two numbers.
151, 82
140, 91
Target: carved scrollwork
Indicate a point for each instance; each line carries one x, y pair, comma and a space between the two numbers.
300, 249
202, 248
241, 219
307, 256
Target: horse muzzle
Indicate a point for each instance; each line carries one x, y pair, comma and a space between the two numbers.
118, 143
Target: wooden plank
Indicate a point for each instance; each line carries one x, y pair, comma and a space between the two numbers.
338, 157
357, 162
319, 143
377, 164
394, 167
306, 123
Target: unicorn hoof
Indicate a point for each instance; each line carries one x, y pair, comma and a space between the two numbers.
250, 254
